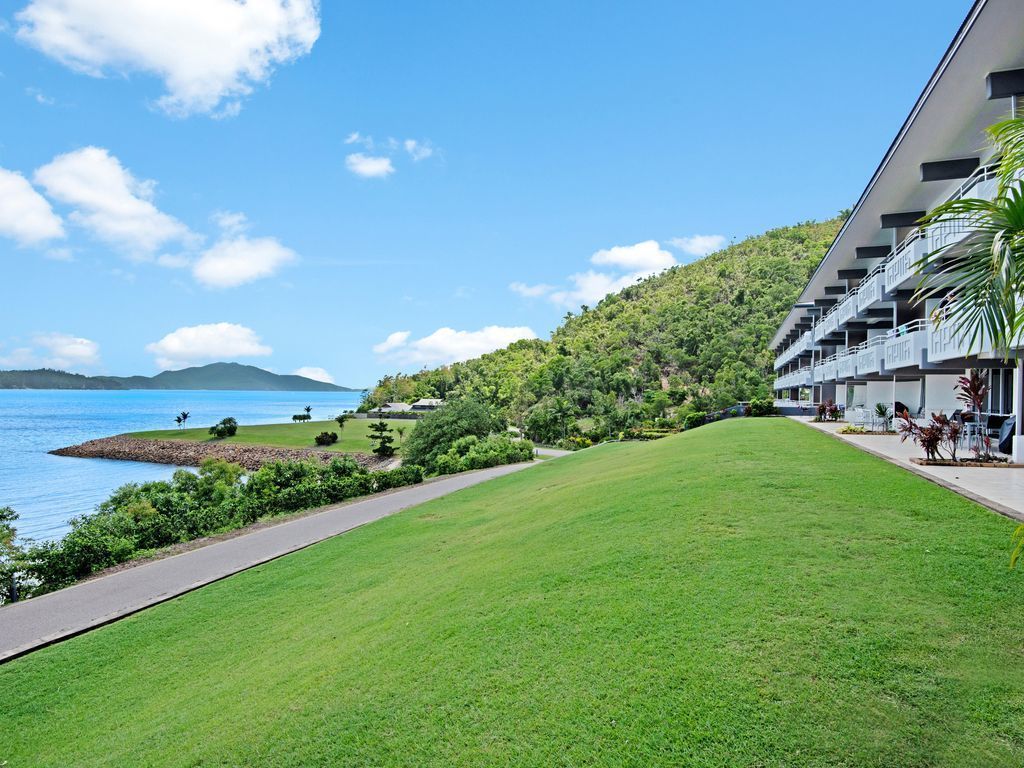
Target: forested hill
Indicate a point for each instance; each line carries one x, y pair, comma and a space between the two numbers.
695, 337
218, 376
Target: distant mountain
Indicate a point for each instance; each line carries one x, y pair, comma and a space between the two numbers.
223, 376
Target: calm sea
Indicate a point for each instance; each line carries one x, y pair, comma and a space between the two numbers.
47, 491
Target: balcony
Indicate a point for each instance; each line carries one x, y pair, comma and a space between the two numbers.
900, 267
795, 350
846, 310
845, 365
904, 345
870, 290
871, 356
947, 343
797, 378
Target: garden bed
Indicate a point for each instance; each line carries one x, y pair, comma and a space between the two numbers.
965, 463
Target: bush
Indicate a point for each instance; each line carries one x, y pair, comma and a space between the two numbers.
438, 431
765, 407
224, 428
301, 417
575, 443
326, 438
697, 419
471, 452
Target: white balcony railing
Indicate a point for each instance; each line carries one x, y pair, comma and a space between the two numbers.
947, 343
846, 310
798, 378
904, 345
796, 349
900, 267
846, 365
870, 290
870, 356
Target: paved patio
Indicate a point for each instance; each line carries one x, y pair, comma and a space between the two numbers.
1001, 490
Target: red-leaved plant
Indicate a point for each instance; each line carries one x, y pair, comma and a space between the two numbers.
939, 433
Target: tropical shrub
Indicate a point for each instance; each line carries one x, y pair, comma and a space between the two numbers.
763, 407
940, 433
696, 419
301, 417
437, 431
326, 438
472, 452
828, 411
224, 428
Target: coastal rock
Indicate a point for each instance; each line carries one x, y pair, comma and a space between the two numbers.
184, 453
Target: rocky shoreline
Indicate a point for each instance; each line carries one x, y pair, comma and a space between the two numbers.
185, 453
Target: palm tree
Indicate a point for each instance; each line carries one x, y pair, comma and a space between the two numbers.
308, 409
178, 420
400, 429
986, 270
184, 416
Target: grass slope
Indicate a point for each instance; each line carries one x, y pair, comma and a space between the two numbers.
354, 438
749, 593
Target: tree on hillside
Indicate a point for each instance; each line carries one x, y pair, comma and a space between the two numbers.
380, 436
437, 431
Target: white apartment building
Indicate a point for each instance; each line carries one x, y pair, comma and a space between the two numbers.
854, 336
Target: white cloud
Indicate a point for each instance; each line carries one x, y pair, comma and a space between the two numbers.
446, 345
369, 166
393, 341
209, 53
531, 291
239, 260
40, 97
590, 287
205, 343
314, 373
55, 350
25, 215
110, 202
418, 150
231, 222
698, 245
354, 138
629, 264
60, 254
642, 257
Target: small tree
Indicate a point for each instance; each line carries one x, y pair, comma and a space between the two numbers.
308, 409
400, 429
380, 436
224, 428
341, 418
184, 416
178, 420
972, 390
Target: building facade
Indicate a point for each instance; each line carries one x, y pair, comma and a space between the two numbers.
854, 336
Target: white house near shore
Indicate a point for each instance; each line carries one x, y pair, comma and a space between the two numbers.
854, 336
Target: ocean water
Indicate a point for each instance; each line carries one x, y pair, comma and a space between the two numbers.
47, 491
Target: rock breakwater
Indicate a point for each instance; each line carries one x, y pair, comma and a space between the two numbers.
184, 453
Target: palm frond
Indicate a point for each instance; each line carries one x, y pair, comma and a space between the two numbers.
1008, 136
980, 277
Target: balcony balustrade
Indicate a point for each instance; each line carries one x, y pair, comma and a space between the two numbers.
870, 290
904, 345
845, 365
870, 356
846, 310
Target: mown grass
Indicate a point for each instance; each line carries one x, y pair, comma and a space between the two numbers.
354, 438
751, 593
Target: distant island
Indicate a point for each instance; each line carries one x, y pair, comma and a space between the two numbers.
218, 376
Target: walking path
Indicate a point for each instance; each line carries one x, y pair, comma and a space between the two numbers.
999, 489
26, 626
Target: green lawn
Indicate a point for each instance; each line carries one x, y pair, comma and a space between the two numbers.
354, 438
751, 593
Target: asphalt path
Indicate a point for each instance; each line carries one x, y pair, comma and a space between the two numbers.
31, 624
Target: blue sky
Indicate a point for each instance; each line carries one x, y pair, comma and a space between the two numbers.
367, 187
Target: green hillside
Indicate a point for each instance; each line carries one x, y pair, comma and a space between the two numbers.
614, 607
698, 333
222, 376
